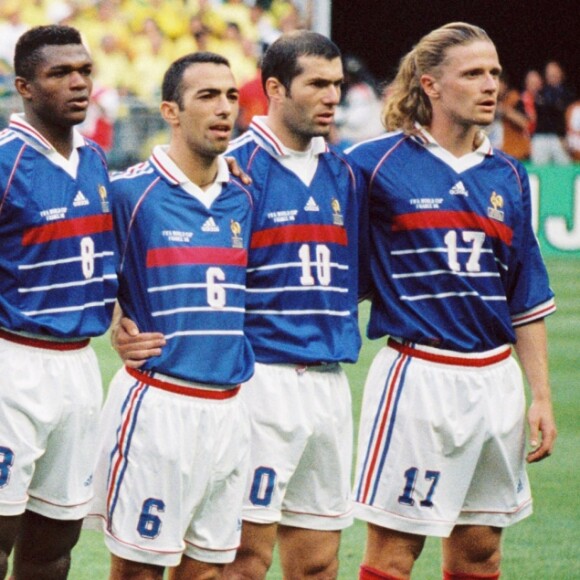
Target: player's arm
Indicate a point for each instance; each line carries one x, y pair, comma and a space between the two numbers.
532, 350
132, 346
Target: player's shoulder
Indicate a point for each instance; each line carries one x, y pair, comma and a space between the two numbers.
129, 184
7, 136
10, 144
243, 147
137, 173
517, 168
381, 143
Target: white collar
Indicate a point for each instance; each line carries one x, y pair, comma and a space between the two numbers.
175, 175
459, 164
171, 172
259, 127
34, 137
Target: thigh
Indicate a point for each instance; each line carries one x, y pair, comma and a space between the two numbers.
42, 539
9, 526
61, 487
472, 549
48, 420
122, 569
392, 551
318, 496
189, 569
167, 464
29, 409
422, 429
499, 494
308, 553
255, 553
279, 434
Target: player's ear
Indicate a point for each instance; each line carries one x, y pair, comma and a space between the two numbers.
170, 111
22, 86
430, 85
274, 89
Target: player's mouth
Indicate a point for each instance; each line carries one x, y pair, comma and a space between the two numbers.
79, 103
325, 118
488, 104
221, 130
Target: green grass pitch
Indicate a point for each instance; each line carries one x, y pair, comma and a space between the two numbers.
545, 546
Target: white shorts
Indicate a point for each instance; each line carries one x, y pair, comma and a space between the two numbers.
171, 473
301, 447
442, 443
49, 411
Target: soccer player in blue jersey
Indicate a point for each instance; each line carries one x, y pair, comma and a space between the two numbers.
175, 434
57, 289
301, 316
458, 279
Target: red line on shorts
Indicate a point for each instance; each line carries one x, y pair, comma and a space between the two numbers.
39, 343
121, 454
391, 389
450, 360
182, 389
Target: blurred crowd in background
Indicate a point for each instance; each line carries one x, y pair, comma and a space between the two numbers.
134, 41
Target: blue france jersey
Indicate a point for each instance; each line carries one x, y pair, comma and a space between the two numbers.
455, 263
182, 268
57, 275
302, 277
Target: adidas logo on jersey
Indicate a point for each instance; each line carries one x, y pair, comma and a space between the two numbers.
210, 226
311, 205
80, 199
459, 189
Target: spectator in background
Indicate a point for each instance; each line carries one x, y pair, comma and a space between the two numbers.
11, 27
532, 84
509, 131
198, 38
99, 124
239, 13
112, 64
573, 130
552, 100
252, 101
153, 54
358, 117
240, 51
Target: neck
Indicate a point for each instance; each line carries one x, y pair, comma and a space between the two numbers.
200, 170
289, 138
61, 138
456, 139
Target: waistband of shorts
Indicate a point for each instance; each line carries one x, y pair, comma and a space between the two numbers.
182, 387
451, 357
316, 367
43, 342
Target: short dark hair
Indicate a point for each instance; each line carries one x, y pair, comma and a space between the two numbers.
28, 50
172, 87
281, 59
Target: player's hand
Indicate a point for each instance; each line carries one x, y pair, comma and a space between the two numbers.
542, 430
236, 170
135, 347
